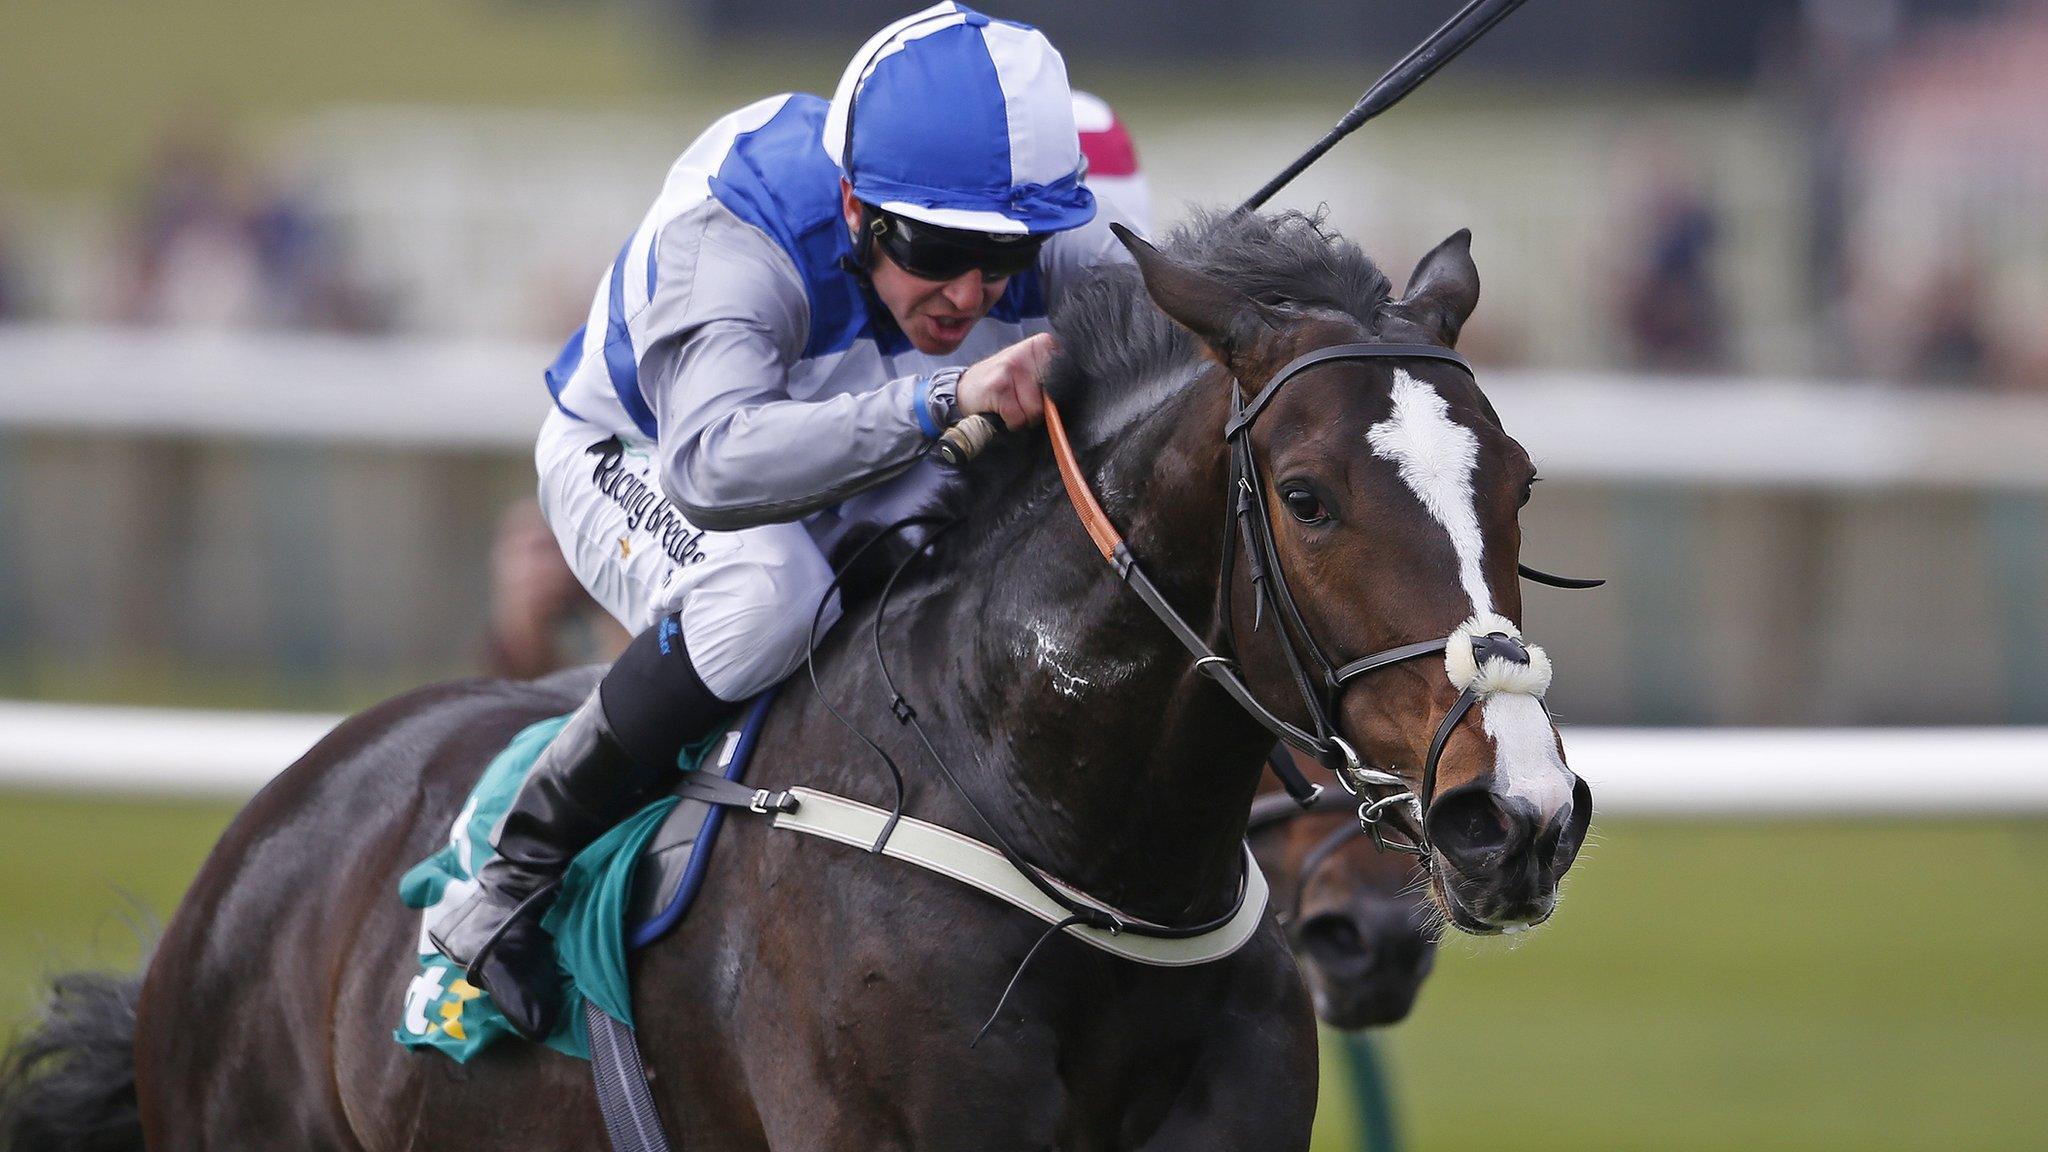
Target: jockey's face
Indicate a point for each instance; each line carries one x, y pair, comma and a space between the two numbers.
936, 315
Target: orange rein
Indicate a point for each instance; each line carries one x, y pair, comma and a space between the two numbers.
1093, 518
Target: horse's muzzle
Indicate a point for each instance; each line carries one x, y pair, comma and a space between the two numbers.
1499, 860
1365, 966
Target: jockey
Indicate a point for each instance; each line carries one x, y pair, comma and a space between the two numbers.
819, 290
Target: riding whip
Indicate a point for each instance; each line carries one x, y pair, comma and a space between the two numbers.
1443, 46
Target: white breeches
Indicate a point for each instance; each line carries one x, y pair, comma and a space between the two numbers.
746, 598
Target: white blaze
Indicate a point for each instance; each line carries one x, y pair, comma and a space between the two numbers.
1525, 759
1435, 456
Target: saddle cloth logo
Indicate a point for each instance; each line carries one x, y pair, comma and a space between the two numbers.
443, 1011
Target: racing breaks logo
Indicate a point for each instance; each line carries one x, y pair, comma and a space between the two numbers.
643, 505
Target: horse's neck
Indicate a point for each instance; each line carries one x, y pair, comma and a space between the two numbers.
1096, 748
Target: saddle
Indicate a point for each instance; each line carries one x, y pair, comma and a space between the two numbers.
633, 885
672, 863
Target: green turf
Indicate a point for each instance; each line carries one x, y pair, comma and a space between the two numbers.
1795, 986
1756, 986
80, 879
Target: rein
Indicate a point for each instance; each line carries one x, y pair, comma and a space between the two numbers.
1080, 909
1087, 912
1064, 907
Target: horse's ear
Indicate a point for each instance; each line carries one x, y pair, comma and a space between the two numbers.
1236, 328
1442, 291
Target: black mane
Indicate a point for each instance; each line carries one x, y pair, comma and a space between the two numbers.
1119, 354
1120, 357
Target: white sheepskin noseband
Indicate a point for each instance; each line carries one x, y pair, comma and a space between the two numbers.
1499, 675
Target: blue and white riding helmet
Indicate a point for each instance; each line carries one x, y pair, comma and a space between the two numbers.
964, 122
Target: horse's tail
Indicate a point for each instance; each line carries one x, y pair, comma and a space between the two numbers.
69, 1084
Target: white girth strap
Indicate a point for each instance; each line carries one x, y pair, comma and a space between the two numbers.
977, 865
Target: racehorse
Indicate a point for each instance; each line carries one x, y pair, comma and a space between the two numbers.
1358, 917
819, 998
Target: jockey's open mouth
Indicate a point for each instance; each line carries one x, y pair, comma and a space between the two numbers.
951, 329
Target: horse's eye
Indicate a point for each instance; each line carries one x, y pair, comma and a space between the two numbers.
1528, 490
1304, 505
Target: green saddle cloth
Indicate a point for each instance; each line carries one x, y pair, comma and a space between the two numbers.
446, 1012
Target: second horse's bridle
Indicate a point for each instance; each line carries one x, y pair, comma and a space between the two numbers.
1246, 516
1273, 809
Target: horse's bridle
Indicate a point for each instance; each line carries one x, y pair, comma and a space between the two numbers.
1246, 513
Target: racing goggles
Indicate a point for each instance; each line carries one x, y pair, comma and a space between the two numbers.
930, 252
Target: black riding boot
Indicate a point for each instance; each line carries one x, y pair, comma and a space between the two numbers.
607, 762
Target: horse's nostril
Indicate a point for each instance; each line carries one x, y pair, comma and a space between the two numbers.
1334, 941
1471, 823
1570, 832
1482, 827
1481, 834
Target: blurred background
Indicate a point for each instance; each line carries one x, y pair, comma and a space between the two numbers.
1766, 297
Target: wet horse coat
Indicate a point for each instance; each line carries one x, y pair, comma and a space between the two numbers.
820, 998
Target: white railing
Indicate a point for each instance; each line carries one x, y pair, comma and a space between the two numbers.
428, 393
1856, 772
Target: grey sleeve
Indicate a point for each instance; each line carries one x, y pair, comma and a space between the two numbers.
735, 449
